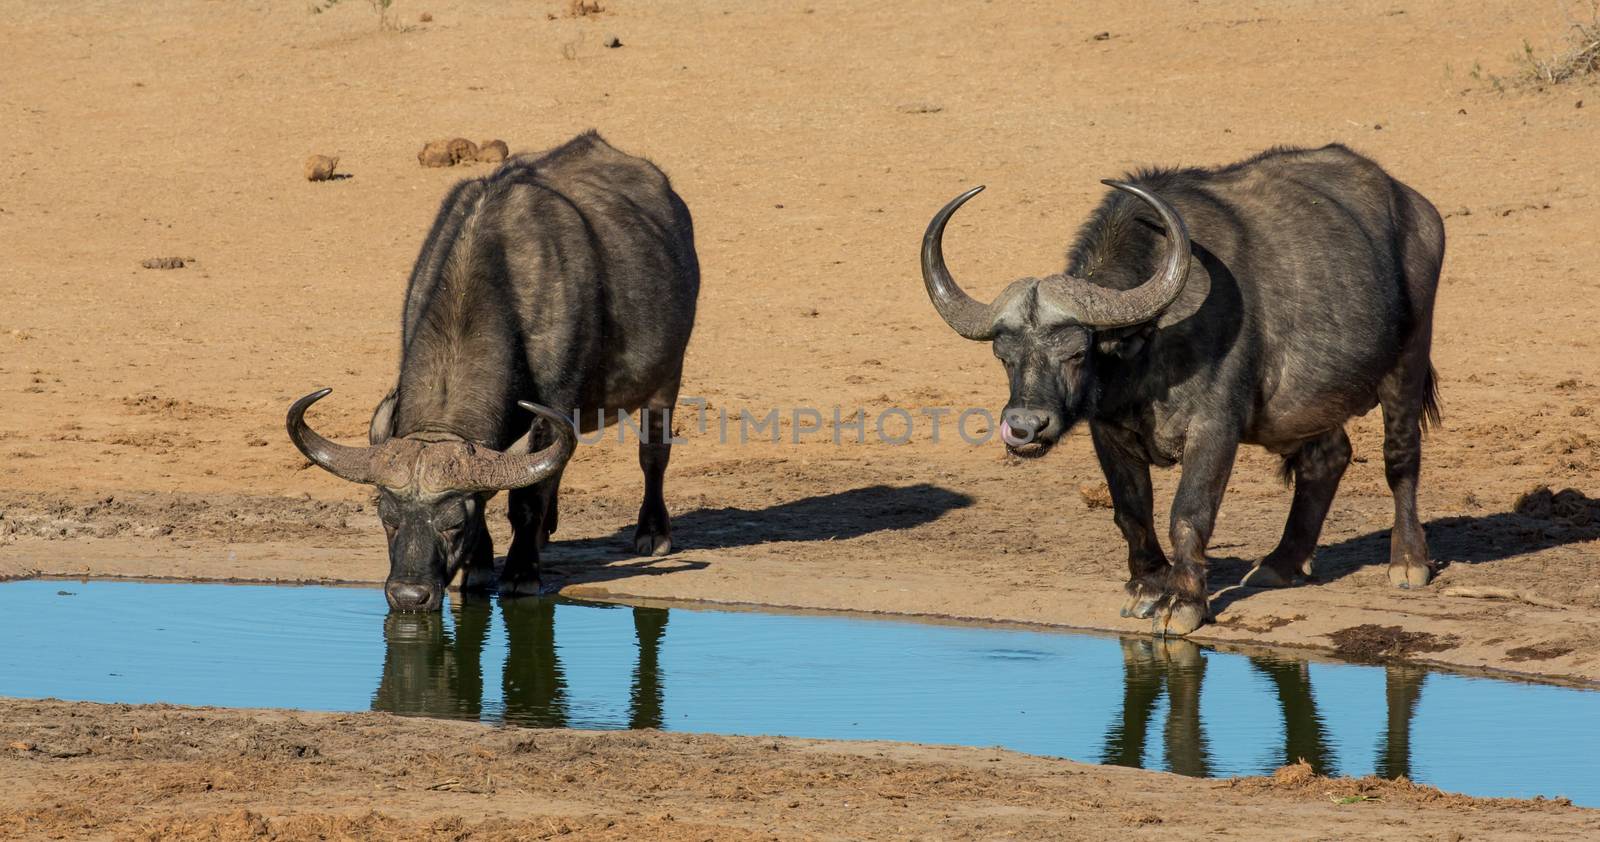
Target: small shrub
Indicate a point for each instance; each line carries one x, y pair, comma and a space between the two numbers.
1580, 58
382, 8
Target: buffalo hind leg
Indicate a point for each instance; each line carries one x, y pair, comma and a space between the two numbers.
1317, 466
653, 534
1406, 395
1207, 461
1128, 476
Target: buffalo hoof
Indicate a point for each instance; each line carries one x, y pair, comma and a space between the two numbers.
521, 586
1266, 576
478, 580
652, 545
1143, 598
1410, 575
1179, 616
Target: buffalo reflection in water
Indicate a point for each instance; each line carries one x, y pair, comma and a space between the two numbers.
429, 670
1176, 667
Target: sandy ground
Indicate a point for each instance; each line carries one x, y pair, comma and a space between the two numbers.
163, 773
141, 424
142, 431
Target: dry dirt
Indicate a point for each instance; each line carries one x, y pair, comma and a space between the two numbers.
141, 417
163, 773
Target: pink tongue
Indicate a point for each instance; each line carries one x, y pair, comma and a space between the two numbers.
1009, 437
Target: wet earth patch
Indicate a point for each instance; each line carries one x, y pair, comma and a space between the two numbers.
1372, 642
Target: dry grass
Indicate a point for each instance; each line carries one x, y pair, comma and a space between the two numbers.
382, 8
1579, 58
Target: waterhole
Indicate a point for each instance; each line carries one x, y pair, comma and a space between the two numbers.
1169, 705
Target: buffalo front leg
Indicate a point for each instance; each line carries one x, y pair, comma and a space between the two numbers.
653, 534
478, 575
1402, 690
1185, 739
1207, 461
1141, 689
1128, 476
1318, 465
529, 512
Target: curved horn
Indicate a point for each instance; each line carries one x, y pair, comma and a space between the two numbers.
493, 470
352, 463
969, 317
1103, 307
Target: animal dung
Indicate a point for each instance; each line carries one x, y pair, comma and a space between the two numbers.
320, 167
164, 262
462, 150
493, 151
435, 153
459, 150
1095, 495
612, 42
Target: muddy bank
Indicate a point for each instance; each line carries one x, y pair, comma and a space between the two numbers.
157, 772
847, 550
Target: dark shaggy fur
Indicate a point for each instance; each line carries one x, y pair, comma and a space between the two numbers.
567, 279
1309, 300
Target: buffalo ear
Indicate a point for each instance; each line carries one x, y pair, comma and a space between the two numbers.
1195, 290
1125, 343
382, 426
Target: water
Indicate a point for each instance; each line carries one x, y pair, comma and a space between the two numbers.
1141, 702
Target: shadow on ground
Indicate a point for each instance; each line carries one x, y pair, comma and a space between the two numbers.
1555, 520
823, 517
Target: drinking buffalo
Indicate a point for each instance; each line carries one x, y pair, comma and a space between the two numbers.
1265, 302
569, 279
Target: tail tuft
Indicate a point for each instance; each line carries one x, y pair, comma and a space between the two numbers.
1286, 470
1430, 400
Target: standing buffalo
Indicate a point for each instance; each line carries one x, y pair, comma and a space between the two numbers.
569, 279
1304, 297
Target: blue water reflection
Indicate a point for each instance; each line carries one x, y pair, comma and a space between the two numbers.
1168, 705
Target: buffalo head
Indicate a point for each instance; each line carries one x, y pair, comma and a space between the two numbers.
431, 492
1043, 329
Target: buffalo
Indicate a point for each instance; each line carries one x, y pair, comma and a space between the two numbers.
1266, 302
562, 284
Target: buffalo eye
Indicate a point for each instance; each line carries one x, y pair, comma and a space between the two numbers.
451, 522
1003, 343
